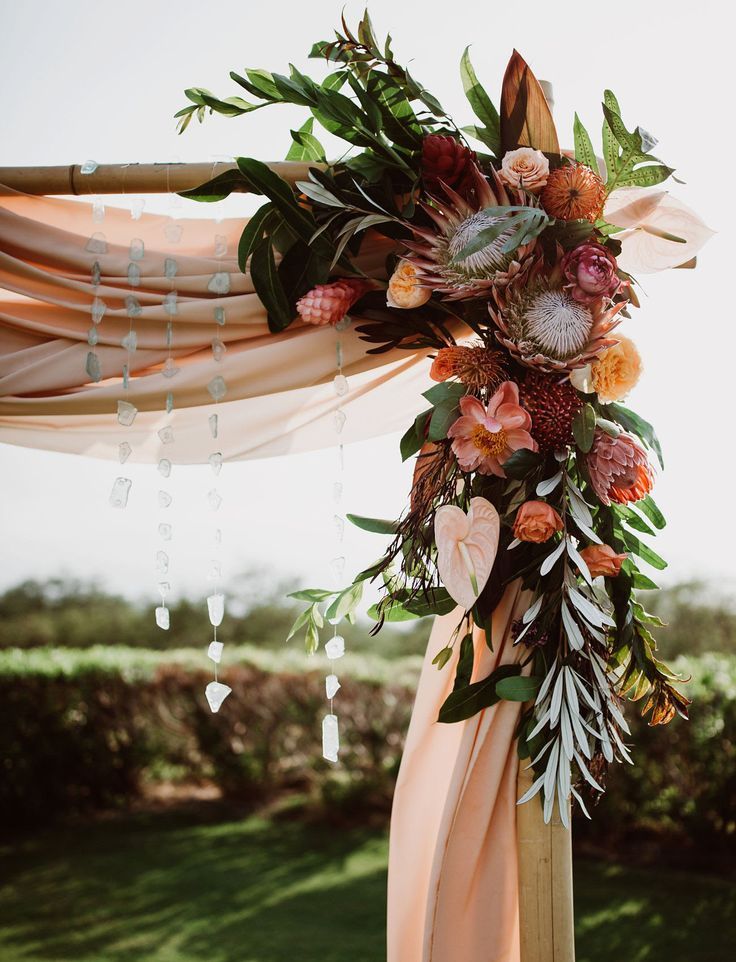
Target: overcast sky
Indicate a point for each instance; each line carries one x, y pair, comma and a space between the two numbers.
102, 80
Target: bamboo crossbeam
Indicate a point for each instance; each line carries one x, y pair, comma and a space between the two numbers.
164, 178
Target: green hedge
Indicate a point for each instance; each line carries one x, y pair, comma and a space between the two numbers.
82, 730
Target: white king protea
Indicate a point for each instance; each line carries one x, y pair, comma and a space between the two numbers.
459, 221
543, 326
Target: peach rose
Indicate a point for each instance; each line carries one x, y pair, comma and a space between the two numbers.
616, 371
404, 288
601, 559
525, 167
536, 521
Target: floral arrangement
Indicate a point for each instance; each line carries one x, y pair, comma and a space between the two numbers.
504, 261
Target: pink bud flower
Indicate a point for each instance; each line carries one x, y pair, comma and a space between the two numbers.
329, 303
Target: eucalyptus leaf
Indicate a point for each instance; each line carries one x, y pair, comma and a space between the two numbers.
376, 525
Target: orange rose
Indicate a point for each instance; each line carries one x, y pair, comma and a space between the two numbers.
601, 559
616, 371
536, 521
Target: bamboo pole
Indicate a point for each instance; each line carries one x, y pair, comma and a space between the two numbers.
128, 178
546, 919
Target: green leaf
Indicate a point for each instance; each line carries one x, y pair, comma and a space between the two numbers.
648, 507
648, 176
311, 594
468, 701
306, 147
394, 611
610, 144
414, 438
518, 687
437, 601
442, 657
446, 391
643, 551
300, 270
376, 525
268, 287
630, 421
465, 663
300, 622
521, 464
311, 642
481, 134
481, 103
253, 232
641, 581
443, 417
345, 603
583, 427
218, 188
584, 152
523, 223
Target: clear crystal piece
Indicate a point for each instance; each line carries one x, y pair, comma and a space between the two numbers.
220, 316
332, 686
169, 369
93, 367
169, 333
98, 310
339, 523
218, 536
343, 324
124, 452
335, 647
214, 652
164, 531
166, 434
162, 617
163, 589
164, 499
216, 608
126, 413
217, 388
171, 305
213, 499
220, 245
120, 492
215, 572
97, 244
164, 467
213, 425
218, 349
219, 283
137, 249
133, 306
98, 211
339, 354
330, 738
130, 341
340, 384
162, 562
216, 693
340, 419
173, 232
169, 402
215, 462
88, 167
134, 275
338, 566
137, 208
170, 268
341, 457
96, 274
92, 336
125, 376
337, 492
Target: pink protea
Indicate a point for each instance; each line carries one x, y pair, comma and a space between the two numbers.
484, 438
619, 469
329, 303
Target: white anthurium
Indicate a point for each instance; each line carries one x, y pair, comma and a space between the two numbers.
659, 231
581, 379
466, 548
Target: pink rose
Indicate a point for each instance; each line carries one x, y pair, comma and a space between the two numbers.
590, 273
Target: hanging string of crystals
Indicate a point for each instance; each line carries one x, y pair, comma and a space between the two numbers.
216, 692
335, 647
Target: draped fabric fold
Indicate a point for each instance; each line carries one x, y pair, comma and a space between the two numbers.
453, 875
279, 387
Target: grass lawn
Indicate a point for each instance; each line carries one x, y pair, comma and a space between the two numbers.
172, 888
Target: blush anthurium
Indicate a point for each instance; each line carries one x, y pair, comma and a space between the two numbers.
466, 548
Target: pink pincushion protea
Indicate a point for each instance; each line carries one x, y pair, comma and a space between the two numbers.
619, 469
329, 303
484, 438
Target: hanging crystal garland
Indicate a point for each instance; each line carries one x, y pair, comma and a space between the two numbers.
216, 692
335, 647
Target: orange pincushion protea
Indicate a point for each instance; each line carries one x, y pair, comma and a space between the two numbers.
474, 365
574, 192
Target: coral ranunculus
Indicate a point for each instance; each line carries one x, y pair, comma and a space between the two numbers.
536, 521
525, 169
574, 192
602, 560
619, 469
590, 273
483, 438
616, 371
405, 289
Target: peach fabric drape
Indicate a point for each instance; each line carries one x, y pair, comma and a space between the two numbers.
280, 396
453, 875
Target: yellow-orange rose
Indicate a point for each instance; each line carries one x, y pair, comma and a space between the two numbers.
536, 521
616, 371
404, 289
601, 559
525, 167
